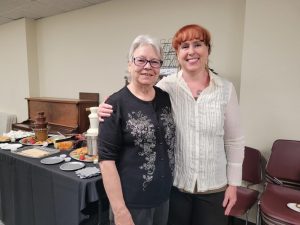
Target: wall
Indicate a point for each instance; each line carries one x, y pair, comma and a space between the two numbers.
86, 50
31, 44
14, 69
270, 83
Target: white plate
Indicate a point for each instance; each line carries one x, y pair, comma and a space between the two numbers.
70, 166
294, 207
52, 160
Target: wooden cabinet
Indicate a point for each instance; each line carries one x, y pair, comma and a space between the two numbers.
63, 115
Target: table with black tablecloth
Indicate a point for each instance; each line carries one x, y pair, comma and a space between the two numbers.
32, 193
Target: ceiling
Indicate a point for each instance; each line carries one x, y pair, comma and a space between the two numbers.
36, 9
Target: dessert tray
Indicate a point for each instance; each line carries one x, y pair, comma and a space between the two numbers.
32, 141
35, 152
81, 154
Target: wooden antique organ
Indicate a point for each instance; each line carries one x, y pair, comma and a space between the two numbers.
63, 115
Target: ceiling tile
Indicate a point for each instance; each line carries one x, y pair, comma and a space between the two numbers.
66, 5
96, 1
35, 9
8, 5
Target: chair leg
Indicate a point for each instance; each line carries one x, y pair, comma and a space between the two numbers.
247, 218
258, 219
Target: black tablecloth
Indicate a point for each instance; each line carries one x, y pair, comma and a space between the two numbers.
32, 193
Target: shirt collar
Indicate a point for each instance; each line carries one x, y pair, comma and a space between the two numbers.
214, 79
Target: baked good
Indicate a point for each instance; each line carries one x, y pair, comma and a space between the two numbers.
4, 138
34, 153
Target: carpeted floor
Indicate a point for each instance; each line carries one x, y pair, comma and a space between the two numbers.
237, 221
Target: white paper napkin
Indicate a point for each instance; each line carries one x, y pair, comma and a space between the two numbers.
18, 134
7, 146
88, 172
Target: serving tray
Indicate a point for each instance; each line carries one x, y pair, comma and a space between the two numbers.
27, 141
37, 151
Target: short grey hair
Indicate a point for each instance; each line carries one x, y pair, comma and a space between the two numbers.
145, 40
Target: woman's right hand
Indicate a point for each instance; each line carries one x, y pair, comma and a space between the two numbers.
104, 110
123, 218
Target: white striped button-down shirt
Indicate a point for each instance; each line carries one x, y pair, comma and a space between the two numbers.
210, 142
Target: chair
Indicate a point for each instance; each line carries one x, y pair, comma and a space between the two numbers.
273, 205
282, 186
252, 174
283, 166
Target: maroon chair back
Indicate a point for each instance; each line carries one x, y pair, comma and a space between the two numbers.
252, 173
283, 166
252, 166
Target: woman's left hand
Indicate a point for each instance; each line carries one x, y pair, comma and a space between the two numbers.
229, 198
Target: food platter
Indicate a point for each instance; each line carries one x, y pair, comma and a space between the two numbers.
71, 166
31, 141
81, 154
35, 152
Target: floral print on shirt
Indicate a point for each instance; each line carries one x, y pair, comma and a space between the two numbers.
143, 131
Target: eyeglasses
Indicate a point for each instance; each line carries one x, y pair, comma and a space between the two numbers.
139, 61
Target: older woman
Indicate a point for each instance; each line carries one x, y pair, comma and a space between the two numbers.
136, 144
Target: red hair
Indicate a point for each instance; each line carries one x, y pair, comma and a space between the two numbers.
191, 32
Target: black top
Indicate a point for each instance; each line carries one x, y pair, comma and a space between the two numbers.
140, 137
